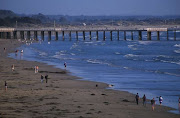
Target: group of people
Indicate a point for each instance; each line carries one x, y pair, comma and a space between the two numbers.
153, 102
42, 78
16, 51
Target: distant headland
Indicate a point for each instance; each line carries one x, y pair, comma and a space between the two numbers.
10, 19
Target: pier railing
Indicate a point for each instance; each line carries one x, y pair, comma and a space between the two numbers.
26, 33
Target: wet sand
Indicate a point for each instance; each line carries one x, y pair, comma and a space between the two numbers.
64, 95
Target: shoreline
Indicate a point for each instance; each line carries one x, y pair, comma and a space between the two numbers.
63, 95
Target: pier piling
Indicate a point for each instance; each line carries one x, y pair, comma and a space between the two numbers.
76, 35
140, 35
49, 35
42, 35
149, 35
111, 35
174, 34
63, 35
118, 35
158, 36
131, 35
15, 34
124, 35
22, 34
97, 35
90, 35
35, 35
104, 35
83, 35
56, 33
28, 35
69, 35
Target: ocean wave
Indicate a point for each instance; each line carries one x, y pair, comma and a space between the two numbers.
74, 46
163, 56
126, 67
145, 42
73, 54
43, 54
177, 45
118, 53
61, 53
148, 60
130, 55
94, 61
177, 51
130, 46
90, 42
56, 56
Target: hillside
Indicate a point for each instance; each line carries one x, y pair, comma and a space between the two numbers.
9, 18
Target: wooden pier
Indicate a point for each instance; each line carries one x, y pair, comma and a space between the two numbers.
27, 33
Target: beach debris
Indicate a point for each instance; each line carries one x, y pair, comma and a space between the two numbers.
125, 100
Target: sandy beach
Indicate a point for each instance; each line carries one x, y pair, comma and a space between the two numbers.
63, 95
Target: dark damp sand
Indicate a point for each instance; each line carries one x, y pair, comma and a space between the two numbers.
63, 95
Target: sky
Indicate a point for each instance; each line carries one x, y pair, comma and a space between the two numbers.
93, 7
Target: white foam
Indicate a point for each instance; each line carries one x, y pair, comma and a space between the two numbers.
89, 42
145, 42
177, 45
97, 62
125, 67
130, 55
43, 54
177, 51
118, 53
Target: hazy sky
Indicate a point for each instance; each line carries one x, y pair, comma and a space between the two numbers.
93, 7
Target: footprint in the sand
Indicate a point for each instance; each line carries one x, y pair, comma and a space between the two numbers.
106, 103
92, 94
125, 100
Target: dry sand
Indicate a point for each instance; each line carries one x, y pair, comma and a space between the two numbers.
63, 95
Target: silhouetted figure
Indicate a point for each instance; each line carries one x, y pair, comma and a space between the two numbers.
153, 104
179, 104
65, 64
42, 79
12, 67
144, 100
137, 98
5, 84
46, 77
96, 85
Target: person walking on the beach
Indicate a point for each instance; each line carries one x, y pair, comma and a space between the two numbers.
137, 98
65, 64
160, 100
144, 100
5, 84
37, 69
96, 86
12, 67
46, 77
42, 79
4, 49
153, 104
179, 104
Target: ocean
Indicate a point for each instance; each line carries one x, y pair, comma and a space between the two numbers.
144, 67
